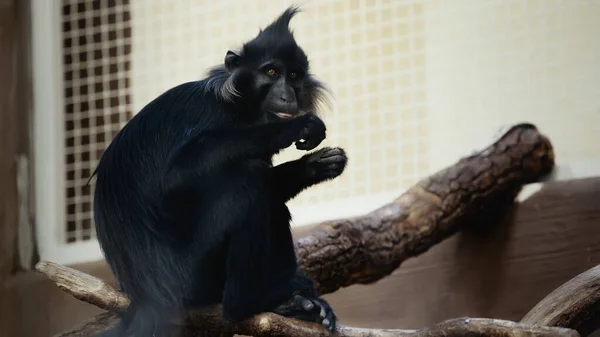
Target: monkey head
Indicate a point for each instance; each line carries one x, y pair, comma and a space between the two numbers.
270, 75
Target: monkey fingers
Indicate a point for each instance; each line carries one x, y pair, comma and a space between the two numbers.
307, 145
308, 309
313, 133
326, 163
297, 307
297, 304
326, 315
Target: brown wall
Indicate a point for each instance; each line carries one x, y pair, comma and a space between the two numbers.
14, 116
14, 140
501, 272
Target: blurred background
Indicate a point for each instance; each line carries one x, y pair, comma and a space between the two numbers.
417, 84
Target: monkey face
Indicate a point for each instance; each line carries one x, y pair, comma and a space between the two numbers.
271, 74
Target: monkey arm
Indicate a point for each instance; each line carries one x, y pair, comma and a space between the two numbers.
211, 150
291, 178
214, 149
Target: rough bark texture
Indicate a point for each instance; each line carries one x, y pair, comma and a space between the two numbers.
368, 248
574, 305
271, 325
84, 287
208, 321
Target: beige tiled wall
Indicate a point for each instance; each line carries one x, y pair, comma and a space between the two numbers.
493, 63
96, 44
416, 83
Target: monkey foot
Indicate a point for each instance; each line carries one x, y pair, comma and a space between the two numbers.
311, 309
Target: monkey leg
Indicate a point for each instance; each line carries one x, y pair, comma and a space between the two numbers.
305, 303
245, 215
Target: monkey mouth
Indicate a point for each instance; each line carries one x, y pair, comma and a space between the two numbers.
284, 115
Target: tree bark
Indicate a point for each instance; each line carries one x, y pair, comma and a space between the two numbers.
270, 325
367, 248
574, 305
208, 321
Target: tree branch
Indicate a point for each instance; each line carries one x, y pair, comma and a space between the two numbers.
574, 305
368, 248
208, 320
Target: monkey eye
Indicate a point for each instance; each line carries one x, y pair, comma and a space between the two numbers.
293, 75
271, 72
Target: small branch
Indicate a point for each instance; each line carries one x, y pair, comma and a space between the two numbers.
368, 248
84, 287
574, 305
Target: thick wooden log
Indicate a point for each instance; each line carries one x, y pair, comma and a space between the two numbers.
368, 248
574, 305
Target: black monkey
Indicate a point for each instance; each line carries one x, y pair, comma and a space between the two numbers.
189, 209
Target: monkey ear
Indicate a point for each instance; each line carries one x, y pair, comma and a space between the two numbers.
232, 60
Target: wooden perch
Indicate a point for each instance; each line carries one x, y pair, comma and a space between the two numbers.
574, 305
208, 320
367, 248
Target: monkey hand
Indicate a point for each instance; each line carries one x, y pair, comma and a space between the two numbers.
326, 163
312, 134
308, 308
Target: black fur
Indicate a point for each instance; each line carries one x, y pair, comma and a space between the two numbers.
189, 209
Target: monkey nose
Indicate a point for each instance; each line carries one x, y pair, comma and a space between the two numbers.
284, 98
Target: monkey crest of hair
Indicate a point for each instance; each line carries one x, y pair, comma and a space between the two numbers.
276, 41
188, 206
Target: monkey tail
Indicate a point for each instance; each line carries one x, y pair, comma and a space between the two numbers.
144, 320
